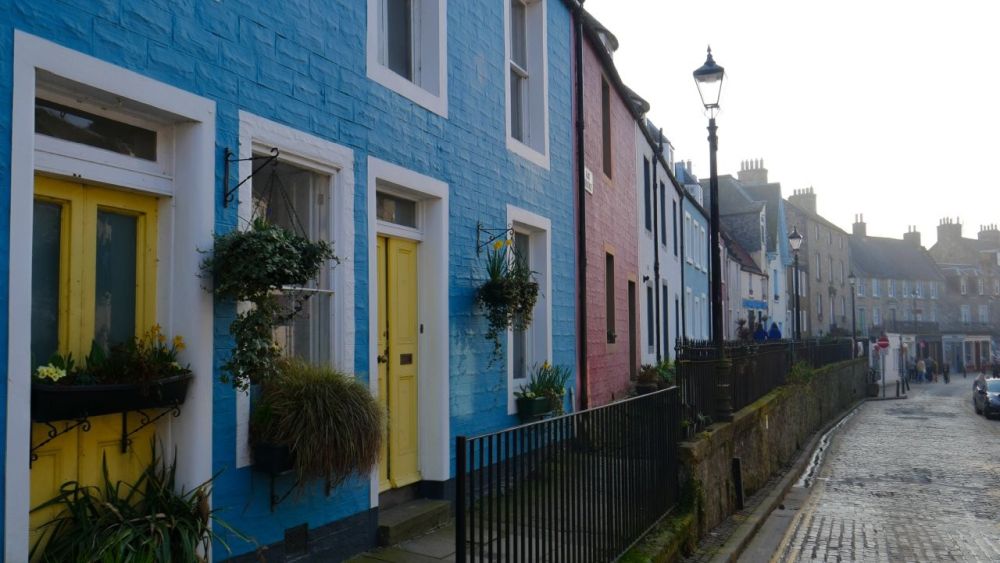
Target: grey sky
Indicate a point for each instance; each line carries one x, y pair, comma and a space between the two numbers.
885, 107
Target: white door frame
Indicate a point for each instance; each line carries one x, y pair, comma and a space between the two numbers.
433, 407
186, 223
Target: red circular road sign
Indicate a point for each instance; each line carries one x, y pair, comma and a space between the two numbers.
883, 342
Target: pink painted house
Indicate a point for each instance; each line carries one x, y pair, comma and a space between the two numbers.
610, 241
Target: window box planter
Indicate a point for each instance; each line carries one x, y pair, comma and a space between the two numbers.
273, 458
69, 402
530, 409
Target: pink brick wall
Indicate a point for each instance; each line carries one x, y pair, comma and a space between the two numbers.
611, 228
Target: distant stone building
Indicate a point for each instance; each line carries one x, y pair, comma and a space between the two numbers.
971, 312
824, 260
899, 291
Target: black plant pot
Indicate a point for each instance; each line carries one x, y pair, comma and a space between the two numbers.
67, 402
273, 458
644, 387
533, 408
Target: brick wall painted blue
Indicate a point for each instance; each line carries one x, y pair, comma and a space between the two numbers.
6, 83
302, 63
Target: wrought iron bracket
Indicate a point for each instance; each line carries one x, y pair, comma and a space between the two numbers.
229, 157
275, 499
53, 433
491, 236
144, 421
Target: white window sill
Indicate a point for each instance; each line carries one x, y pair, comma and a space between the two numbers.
528, 152
424, 98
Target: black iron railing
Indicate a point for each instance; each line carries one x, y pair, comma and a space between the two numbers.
708, 393
583, 487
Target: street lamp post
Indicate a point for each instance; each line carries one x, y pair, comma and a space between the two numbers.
854, 323
795, 241
709, 78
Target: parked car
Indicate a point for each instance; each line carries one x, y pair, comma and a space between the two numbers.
986, 397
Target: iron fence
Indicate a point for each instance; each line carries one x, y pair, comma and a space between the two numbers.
583, 487
755, 370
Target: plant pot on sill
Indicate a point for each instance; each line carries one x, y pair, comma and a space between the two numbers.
530, 409
273, 458
644, 387
68, 402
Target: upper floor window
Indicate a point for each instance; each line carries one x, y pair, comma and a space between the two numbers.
966, 314
688, 243
830, 238
876, 289
906, 288
934, 290
984, 314
982, 286
964, 285
996, 286
918, 288
663, 214
606, 126
861, 287
527, 106
892, 288
819, 268
647, 194
675, 234
406, 50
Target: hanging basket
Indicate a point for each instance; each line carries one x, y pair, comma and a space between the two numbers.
73, 402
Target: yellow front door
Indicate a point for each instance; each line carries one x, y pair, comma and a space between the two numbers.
397, 363
93, 280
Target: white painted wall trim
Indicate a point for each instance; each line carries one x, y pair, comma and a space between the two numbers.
435, 102
540, 335
433, 407
311, 153
187, 219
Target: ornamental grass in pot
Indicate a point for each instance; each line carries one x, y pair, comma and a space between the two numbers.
329, 421
543, 394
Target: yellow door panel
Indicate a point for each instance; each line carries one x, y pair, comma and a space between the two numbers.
383, 394
402, 321
78, 455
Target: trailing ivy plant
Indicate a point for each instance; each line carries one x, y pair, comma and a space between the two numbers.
251, 265
509, 294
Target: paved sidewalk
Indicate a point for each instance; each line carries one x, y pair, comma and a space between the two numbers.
914, 480
433, 547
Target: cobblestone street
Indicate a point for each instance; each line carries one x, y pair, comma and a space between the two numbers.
907, 480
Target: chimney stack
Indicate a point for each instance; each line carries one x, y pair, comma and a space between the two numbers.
912, 235
989, 233
949, 229
752, 172
805, 199
859, 229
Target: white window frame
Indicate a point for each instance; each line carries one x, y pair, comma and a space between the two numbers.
984, 314
934, 290
892, 288
186, 224
536, 149
688, 243
964, 285
258, 135
430, 50
539, 348
981, 284
966, 313
876, 288
861, 287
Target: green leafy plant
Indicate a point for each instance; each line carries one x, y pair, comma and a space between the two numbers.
251, 265
142, 359
666, 372
508, 295
119, 522
330, 421
801, 373
547, 381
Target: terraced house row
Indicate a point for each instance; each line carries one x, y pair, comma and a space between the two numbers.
418, 140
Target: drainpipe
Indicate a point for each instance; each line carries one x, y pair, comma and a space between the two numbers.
581, 209
656, 246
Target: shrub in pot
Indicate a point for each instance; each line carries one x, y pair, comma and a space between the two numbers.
329, 421
544, 392
648, 380
146, 520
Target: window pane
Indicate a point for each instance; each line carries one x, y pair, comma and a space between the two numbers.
399, 38
517, 83
522, 250
297, 199
518, 37
606, 125
70, 124
396, 210
649, 317
114, 295
45, 249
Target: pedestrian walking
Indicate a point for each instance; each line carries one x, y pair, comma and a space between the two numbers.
921, 370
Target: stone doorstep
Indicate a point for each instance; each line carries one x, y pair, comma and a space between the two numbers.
411, 519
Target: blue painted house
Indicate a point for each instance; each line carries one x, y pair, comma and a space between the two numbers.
697, 257
402, 129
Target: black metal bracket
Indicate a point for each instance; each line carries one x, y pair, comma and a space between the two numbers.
229, 194
53, 433
275, 499
144, 421
492, 236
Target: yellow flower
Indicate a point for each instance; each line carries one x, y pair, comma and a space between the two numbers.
179, 342
161, 339
497, 244
50, 372
508, 242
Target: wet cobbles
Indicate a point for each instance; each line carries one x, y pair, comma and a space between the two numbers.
909, 480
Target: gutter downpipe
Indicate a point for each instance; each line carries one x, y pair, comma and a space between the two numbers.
581, 209
656, 245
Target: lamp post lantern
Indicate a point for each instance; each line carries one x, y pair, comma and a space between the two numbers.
795, 241
709, 79
854, 324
